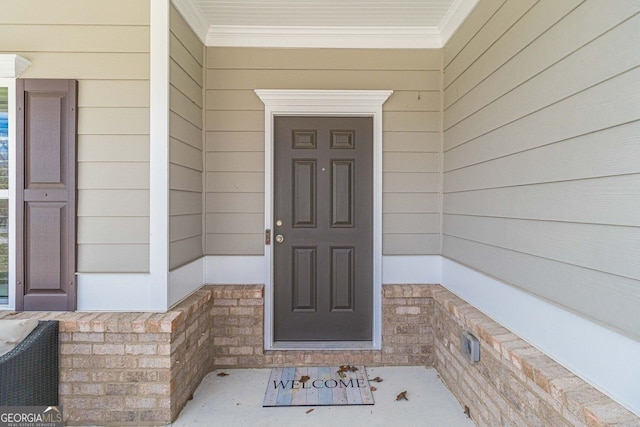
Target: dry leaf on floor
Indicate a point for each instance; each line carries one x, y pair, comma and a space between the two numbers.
310, 410
346, 368
402, 395
373, 388
223, 374
304, 379
377, 380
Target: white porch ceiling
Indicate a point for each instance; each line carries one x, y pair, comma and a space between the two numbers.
325, 23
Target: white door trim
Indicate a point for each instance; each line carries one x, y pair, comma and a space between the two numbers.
325, 103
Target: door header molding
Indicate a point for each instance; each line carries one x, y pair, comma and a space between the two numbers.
280, 102
318, 100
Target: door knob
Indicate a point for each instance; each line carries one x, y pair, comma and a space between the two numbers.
279, 238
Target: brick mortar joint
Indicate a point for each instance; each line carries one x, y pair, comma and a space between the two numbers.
522, 358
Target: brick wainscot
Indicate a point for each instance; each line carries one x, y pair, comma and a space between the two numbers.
141, 368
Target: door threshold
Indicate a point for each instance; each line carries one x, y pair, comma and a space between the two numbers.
323, 345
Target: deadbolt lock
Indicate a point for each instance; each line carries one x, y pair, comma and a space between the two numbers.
279, 238
279, 223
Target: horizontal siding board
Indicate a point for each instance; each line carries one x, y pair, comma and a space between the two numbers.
74, 38
184, 202
235, 121
235, 141
551, 85
184, 131
596, 108
410, 203
185, 155
113, 258
235, 182
185, 34
113, 121
615, 148
113, 148
608, 299
608, 248
410, 244
113, 93
610, 200
185, 107
75, 12
323, 59
401, 182
185, 179
242, 161
404, 100
588, 21
411, 121
185, 226
113, 203
419, 142
235, 203
504, 18
235, 244
478, 17
240, 223
410, 223
222, 99
542, 16
185, 84
410, 162
113, 175
184, 251
113, 230
86, 66
323, 79
185, 60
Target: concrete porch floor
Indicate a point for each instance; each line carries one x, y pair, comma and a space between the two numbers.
236, 400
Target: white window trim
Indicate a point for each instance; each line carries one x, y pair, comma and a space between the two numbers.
11, 192
366, 103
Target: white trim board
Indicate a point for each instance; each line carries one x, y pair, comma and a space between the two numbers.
318, 103
11, 65
11, 193
185, 280
115, 292
159, 156
411, 269
602, 357
233, 270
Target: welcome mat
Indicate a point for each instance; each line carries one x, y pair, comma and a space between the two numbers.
344, 385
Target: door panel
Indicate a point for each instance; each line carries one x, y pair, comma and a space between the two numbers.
46, 188
323, 198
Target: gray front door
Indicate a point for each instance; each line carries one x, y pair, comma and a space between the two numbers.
323, 228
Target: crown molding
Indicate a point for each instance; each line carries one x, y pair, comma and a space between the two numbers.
454, 17
193, 17
12, 66
325, 37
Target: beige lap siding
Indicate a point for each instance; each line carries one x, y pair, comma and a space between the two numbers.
107, 51
234, 141
186, 143
542, 154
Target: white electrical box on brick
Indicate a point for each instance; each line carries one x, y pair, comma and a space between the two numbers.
470, 347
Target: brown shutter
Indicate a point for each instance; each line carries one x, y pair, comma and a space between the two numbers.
46, 193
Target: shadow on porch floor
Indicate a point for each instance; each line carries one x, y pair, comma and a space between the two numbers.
236, 400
